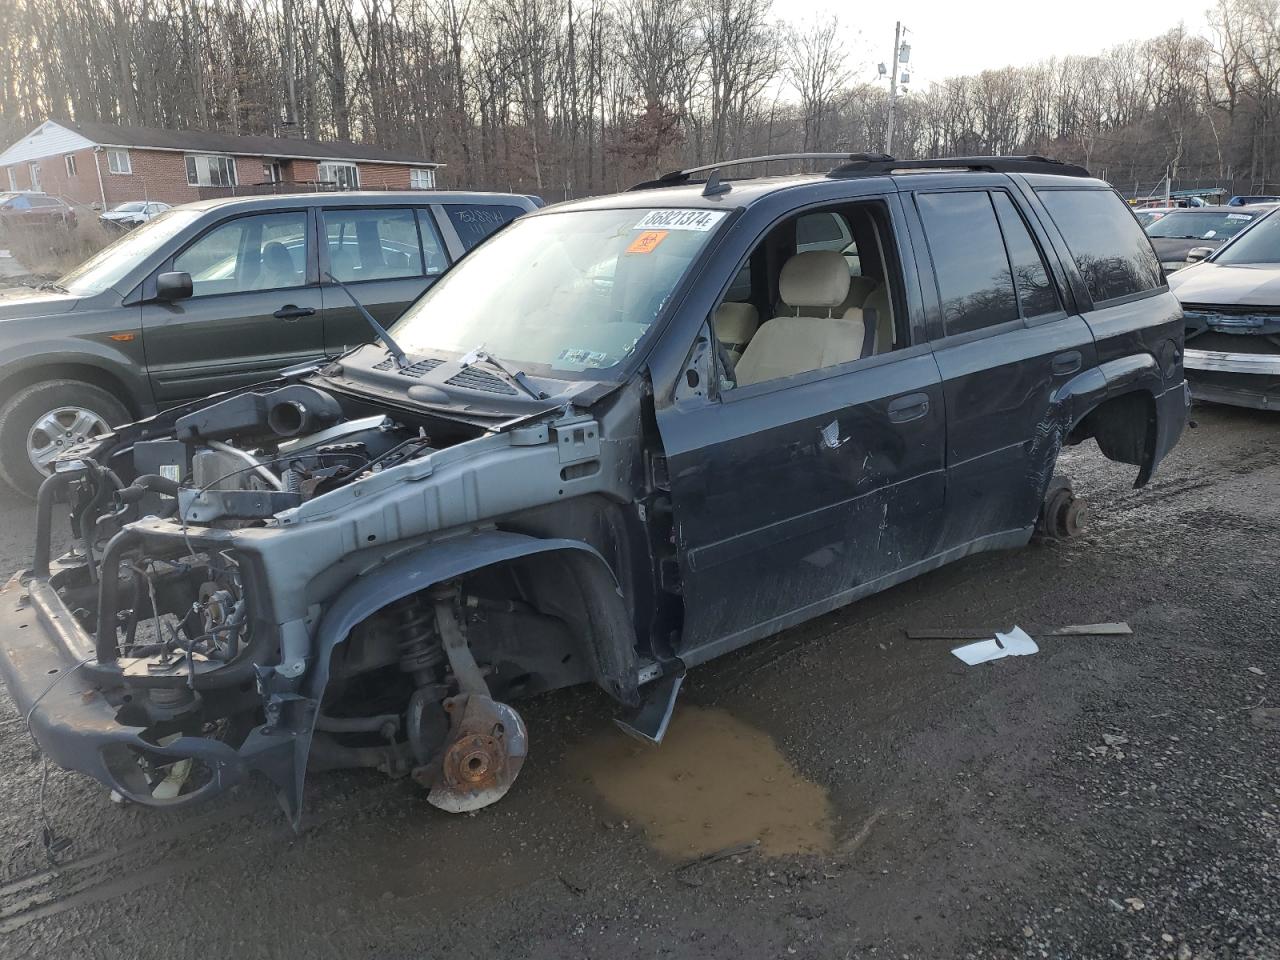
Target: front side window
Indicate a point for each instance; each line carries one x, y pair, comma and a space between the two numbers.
421, 178
573, 292
975, 284
1260, 245
267, 252
475, 222
118, 161
210, 170
373, 244
1110, 250
344, 176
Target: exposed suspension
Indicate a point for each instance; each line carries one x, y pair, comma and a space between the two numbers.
421, 655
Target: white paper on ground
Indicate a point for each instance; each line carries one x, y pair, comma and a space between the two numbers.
1015, 643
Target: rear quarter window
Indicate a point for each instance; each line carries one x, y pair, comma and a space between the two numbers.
1108, 246
474, 222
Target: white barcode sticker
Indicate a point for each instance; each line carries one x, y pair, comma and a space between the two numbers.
700, 220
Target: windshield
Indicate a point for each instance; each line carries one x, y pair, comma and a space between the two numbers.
1200, 224
133, 206
1259, 245
571, 291
112, 263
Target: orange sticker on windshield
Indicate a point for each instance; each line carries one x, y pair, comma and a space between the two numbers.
647, 242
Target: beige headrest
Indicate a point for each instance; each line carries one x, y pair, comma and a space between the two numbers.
815, 278
736, 323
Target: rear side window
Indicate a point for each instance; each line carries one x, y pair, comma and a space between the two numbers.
1036, 293
373, 244
1111, 251
474, 222
974, 281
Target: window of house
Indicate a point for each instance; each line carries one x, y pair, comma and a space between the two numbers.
13, 178
373, 244
475, 221
211, 170
1037, 294
272, 172
34, 170
1111, 251
267, 252
118, 161
421, 178
975, 284
70, 161
344, 176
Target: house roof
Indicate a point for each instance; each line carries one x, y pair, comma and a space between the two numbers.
153, 138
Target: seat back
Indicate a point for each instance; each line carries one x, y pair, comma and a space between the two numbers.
735, 324
878, 300
813, 284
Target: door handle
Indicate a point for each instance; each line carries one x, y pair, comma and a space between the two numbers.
291, 312
1068, 362
911, 407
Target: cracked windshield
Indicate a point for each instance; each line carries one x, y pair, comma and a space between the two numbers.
569, 292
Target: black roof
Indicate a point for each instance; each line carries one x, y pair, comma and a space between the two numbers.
112, 135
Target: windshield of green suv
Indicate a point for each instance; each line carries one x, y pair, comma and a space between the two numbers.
113, 263
1260, 245
1201, 224
571, 291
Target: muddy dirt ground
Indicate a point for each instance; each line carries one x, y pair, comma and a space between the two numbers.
1106, 797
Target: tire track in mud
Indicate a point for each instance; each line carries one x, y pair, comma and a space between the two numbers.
18, 907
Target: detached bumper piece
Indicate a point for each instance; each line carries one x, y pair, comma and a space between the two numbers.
1240, 379
79, 718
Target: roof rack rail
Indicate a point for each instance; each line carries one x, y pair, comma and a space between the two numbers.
872, 166
678, 177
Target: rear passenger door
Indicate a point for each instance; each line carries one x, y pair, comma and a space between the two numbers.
1004, 341
386, 256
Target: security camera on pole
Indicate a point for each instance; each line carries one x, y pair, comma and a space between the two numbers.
901, 54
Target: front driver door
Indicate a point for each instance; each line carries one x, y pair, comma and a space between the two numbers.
255, 308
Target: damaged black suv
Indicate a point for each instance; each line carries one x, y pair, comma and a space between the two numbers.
624, 436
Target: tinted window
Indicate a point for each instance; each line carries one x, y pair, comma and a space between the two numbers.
1036, 293
252, 253
373, 244
974, 280
474, 222
1108, 246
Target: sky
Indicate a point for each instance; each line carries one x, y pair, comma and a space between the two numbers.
953, 37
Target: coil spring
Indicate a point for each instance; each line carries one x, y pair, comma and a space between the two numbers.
420, 649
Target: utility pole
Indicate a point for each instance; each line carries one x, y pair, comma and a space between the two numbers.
893, 86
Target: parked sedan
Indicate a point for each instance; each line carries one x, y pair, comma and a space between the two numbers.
133, 213
216, 295
24, 210
1178, 233
1232, 307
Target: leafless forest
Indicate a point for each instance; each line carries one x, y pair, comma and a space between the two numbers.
569, 97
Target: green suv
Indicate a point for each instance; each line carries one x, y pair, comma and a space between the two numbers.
214, 296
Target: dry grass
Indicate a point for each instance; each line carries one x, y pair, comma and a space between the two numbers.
52, 251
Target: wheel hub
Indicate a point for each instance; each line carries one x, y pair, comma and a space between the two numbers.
59, 429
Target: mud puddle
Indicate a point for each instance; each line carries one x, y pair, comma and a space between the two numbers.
713, 783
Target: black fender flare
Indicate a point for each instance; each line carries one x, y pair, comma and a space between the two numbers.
612, 636
1074, 400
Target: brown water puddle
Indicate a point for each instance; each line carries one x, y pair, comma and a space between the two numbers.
713, 783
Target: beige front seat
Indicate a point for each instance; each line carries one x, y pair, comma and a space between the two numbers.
735, 324
878, 300
812, 334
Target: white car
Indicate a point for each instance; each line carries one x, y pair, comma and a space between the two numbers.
133, 212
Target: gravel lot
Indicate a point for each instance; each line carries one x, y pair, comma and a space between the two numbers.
1107, 797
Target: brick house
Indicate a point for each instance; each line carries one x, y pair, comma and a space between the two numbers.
101, 165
